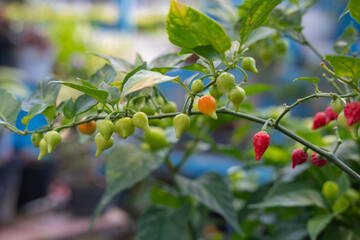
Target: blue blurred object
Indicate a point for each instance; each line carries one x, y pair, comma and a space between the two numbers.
23, 143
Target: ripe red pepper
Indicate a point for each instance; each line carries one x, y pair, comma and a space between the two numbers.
298, 157
318, 161
330, 115
261, 142
352, 113
319, 120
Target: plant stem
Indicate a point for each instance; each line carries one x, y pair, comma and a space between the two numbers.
185, 87
327, 154
316, 95
339, 141
245, 75
307, 43
213, 69
157, 106
160, 93
347, 82
190, 105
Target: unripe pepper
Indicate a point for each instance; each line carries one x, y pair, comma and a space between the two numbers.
197, 86
215, 92
169, 107
353, 130
249, 64
181, 124
52, 139
319, 120
106, 128
102, 144
261, 142
225, 82
124, 127
298, 156
337, 105
140, 120
281, 46
330, 190
196, 104
43, 149
236, 96
353, 195
148, 109
159, 100
318, 160
156, 138
352, 113
207, 105
36, 138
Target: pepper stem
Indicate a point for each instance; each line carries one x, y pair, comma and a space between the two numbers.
265, 125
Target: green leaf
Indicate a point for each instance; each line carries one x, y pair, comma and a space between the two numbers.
312, 136
87, 84
313, 80
45, 93
123, 172
317, 224
49, 112
256, 17
35, 110
195, 67
162, 70
167, 60
208, 52
114, 92
138, 60
345, 66
354, 8
295, 198
212, 191
9, 107
185, 51
161, 197
69, 109
277, 155
84, 103
188, 28
257, 88
259, 34
159, 223
343, 182
143, 66
344, 42
143, 79
105, 74
120, 65
341, 204
346, 11
293, 228
99, 95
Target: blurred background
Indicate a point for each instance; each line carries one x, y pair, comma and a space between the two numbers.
54, 198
